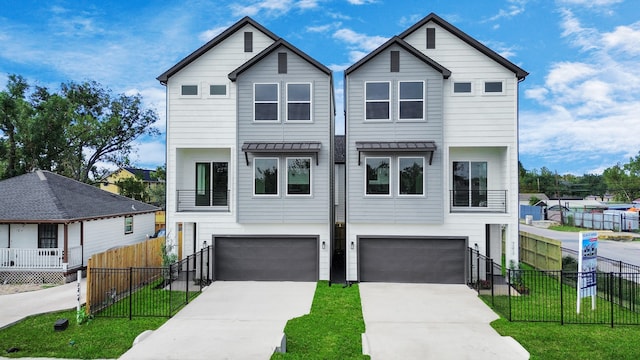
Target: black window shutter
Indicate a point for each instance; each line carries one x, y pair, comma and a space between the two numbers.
248, 42
431, 38
395, 61
282, 63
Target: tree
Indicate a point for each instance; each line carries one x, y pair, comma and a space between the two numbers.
133, 187
13, 110
157, 193
624, 180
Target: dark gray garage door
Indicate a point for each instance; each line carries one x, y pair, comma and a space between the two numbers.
412, 260
266, 258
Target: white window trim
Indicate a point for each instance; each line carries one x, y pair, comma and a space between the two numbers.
471, 93
125, 224
310, 176
424, 187
266, 102
364, 110
197, 96
423, 100
390, 176
503, 92
310, 102
253, 177
226, 95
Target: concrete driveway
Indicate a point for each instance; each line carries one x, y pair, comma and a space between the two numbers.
229, 320
431, 321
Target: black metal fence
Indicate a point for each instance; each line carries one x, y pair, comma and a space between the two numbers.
552, 296
150, 292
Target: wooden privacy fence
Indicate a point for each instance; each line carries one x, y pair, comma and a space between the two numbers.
540, 252
147, 254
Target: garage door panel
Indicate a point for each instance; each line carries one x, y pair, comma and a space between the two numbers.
412, 260
268, 259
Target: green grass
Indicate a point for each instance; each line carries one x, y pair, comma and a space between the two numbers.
100, 338
567, 228
333, 328
551, 340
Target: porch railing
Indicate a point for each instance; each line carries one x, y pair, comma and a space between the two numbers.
470, 201
209, 201
32, 259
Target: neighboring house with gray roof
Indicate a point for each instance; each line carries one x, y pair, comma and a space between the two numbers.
50, 225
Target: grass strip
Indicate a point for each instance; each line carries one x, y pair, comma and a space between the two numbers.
333, 328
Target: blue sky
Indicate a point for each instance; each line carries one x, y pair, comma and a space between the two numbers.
579, 107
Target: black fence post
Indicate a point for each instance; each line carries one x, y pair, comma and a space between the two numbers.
612, 295
209, 264
561, 299
201, 268
478, 271
491, 274
130, 293
187, 284
509, 291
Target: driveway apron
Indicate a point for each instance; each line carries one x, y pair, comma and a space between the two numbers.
431, 321
229, 320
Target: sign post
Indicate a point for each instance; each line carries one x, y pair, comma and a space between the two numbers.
587, 265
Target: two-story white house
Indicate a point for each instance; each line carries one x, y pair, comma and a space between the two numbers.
431, 156
249, 156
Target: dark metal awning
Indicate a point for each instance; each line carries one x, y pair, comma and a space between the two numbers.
396, 146
281, 148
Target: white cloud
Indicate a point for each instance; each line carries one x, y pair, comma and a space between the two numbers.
591, 3
361, 2
319, 28
514, 8
207, 35
272, 7
590, 106
360, 41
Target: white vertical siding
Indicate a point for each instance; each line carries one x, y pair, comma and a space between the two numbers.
4, 235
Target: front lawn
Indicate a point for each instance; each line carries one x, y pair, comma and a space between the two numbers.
333, 328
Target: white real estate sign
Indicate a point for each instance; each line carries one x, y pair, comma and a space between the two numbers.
587, 265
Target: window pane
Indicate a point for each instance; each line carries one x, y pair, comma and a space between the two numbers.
128, 224
377, 91
267, 112
266, 176
47, 236
299, 176
377, 176
377, 110
299, 92
462, 87
266, 92
299, 111
218, 90
220, 183
479, 184
493, 86
411, 176
411, 90
411, 110
189, 89
461, 183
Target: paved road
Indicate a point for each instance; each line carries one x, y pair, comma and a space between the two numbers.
628, 252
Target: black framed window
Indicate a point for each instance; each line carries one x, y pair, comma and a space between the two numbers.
47, 236
470, 183
212, 183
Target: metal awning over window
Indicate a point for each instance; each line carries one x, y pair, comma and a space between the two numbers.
281, 148
396, 146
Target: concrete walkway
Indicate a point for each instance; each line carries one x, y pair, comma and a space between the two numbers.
15, 307
229, 320
431, 321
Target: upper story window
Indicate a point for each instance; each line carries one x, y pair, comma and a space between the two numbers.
298, 176
266, 97
494, 87
470, 183
218, 90
189, 90
462, 87
265, 175
411, 176
411, 100
377, 176
298, 102
377, 99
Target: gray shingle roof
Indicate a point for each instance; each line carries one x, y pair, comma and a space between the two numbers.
44, 196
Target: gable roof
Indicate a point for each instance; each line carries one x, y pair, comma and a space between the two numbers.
145, 174
280, 42
405, 45
42, 196
164, 77
520, 73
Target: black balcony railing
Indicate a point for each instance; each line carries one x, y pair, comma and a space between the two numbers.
207, 200
478, 201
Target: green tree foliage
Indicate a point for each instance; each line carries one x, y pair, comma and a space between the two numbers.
133, 187
69, 132
157, 193
624, 180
